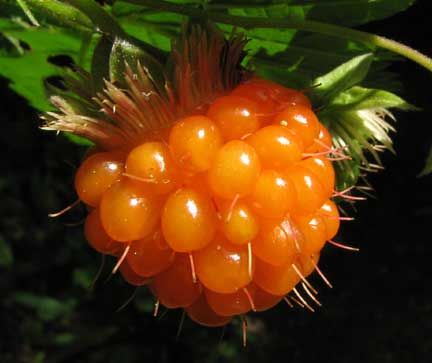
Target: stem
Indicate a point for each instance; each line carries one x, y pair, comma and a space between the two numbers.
306, 25
27, 12
61, 14
100, 18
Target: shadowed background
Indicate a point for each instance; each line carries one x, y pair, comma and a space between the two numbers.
380, 309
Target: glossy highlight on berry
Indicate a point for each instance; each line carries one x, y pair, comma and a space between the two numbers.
223, 267
129, 211
151, 164
301, 121
194, 142
235, 170
235, 116
188, 220
96, 174
278, 241
276, 146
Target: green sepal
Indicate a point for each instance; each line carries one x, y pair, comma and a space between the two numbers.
343, 77
356, 117
6, 254
347, 173
124, 53
428, 165
360, 98
100, 67
78, 140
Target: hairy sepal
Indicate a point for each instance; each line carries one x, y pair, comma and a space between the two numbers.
141, 97
358, 118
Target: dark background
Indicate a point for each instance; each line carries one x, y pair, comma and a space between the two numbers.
380, 309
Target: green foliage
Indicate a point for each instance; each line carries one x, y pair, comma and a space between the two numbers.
276, 53
356, 116
26, 64
350, 13
6, 255
428, 166
359, 98
340, 79
125, 53
47, 308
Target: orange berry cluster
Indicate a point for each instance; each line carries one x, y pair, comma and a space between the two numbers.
223, 213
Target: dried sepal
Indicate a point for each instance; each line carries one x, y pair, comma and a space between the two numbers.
201, 66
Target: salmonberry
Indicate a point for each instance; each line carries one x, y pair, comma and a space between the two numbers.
188, 220
129, 211
235, 303
223, 267
150, 256
275, 280
235, 116
201, 313
273, 195
310, 191
225, 211
300, 120
235, 170
194, 142
152, 164
314, 232
278, 241
323, 143
323, 169
130, 276
221, 203
276, 146
175, 287
262, 300
238, 223
96, 174
330, 214
98, 238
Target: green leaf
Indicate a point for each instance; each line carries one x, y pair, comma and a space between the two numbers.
356, 117
272, 40
63, 339
46, 307
27, 80
58, 13
6, 255
39, 357
341, 78
77, 139
151, 32
83, 277
353, 12
100, 62
297, 59
28, 12
343, 12
428, 165
359, 98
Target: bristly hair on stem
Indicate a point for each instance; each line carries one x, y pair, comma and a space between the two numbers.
201, 66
